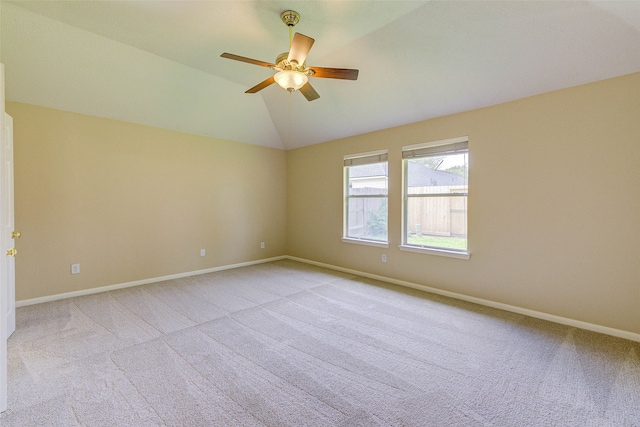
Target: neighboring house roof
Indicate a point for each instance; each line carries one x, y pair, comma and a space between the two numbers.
419, 175
369, 171
422, 176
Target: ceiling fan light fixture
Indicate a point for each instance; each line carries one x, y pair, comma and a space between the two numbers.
291, 80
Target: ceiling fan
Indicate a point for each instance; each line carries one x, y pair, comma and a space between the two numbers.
293, 73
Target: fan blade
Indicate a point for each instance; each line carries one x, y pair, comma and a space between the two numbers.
300, 47
335, 73
262, 85
309, 92
249, 60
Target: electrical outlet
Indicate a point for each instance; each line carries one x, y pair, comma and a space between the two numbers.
203, 252
384, 257
261, 245
75, 268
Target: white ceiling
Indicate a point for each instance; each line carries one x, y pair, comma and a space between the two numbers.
158, 62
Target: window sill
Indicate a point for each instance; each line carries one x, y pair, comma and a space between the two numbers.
433, 251
365, 242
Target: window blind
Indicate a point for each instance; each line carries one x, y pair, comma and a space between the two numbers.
435, 150
365, 158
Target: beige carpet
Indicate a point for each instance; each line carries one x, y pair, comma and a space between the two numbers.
288, 344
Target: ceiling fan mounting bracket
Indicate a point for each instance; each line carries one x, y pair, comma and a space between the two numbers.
290, 18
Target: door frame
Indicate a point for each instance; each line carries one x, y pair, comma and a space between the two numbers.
3, 289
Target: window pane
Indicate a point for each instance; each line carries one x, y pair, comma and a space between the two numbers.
435, 192
439, 222
367, 218
368, 179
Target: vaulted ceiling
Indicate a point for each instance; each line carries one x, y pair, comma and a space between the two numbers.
158, 62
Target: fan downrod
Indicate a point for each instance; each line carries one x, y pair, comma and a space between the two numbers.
290, 17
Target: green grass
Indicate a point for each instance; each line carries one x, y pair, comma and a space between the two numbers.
439, 242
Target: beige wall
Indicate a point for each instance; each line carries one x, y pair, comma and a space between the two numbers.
131, 202
554, 204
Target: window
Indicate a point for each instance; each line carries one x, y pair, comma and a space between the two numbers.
435, 197
365, 198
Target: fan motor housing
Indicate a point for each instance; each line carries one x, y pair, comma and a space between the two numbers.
282, 57
282, 61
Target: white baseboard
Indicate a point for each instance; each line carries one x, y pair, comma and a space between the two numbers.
514, 309
48, 298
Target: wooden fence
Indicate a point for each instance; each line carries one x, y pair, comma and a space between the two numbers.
367, 216
437, 216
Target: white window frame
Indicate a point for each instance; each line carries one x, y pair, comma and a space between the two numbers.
445, 146
369, 157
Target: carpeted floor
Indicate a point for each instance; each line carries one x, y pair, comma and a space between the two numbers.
288, 344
